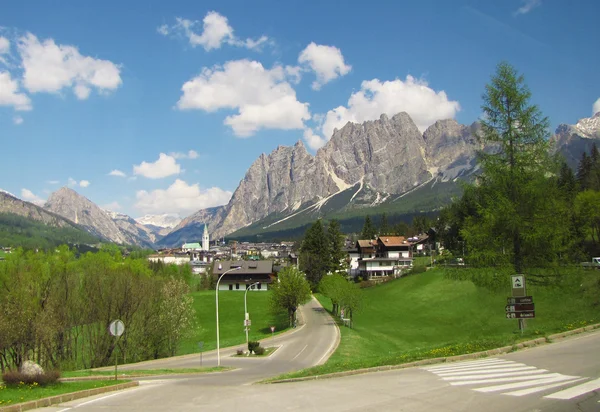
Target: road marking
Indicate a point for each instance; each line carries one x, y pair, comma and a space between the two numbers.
576, 390
306, 346
92, 401
512, 378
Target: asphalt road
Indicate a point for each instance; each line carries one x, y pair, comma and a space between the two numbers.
560, 377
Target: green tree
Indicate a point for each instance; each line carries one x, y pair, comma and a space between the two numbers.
335, 240
384, 228
421, 224
368, 231
314, 253
519, 216
587, 208
584, 171
290, 291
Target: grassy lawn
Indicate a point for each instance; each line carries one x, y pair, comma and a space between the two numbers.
428, 315
141, 372
231, 320
10, 395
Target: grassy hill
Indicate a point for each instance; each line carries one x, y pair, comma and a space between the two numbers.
434, 314
19, 231
231, 319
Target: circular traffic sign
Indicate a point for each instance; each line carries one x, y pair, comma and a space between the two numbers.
116, 327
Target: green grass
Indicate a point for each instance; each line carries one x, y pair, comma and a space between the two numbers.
141, 372
10, 395
428, 315
231, 320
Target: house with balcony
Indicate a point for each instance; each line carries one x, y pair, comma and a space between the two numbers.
249, 272
386, 256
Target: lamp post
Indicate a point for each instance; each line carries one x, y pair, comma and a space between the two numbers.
217, 304
246, 317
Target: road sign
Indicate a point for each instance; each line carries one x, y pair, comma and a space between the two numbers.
520, 315
521, 307
116, 327
523, 299
272, 329
201, 344
247, 322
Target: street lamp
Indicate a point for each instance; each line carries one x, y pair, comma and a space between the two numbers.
217, 303
246, 317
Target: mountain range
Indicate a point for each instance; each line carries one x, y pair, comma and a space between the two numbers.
380, 165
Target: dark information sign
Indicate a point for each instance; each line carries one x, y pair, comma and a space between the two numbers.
520, 315
520, 307
523, 299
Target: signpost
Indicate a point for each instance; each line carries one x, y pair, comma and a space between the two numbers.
519, 305
116, 328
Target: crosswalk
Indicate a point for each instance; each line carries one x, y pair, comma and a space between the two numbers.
493, 375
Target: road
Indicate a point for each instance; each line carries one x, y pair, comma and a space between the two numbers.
560, 377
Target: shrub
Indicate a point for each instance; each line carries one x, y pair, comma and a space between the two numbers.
418, 269
259, 351
253, 345
14, 378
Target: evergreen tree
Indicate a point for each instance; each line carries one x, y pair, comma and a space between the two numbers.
384, 228
368, 231
594, 178
315, 259
584, 171
335, 239
520, 217
400, 229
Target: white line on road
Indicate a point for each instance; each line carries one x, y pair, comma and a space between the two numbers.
516, 378
92, 401
487, 371
548, 379
494, 365
467, 364
495, 375
306, 346
576, 390
542, 388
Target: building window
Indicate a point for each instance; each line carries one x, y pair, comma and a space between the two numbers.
231, 286
237, 286
259, 286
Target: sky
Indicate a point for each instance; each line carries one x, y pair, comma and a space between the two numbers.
151, 107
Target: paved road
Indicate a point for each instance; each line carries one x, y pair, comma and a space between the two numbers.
561, 377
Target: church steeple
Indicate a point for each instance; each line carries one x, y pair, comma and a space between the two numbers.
205, 239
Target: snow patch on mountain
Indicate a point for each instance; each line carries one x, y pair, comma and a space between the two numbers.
166, 220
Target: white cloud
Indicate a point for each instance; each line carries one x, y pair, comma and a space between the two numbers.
53, 182
163, 167
596, 107
326, 61
74, 183
50, 67
424, 105
180, 198
527, 6
9, 93
4, 45
216, 31
192, 154
117, 173
29, 196
263, 97
112, 206
71, 182
313, 140
84, 183
18, 120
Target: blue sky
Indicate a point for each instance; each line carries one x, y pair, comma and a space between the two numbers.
177, 99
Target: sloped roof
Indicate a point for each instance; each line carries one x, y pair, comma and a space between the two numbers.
256, 267
393, 240
191, 246
365, 243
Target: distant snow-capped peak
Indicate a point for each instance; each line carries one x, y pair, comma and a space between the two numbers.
8, 193
166, 220
589, 126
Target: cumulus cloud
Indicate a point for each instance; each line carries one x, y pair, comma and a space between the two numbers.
191, 154
180, 198
326, 61
527, 6
596, 107
117, 173
4, 45
10, 95
424, 105
18, 120
74, 183
50, 67
29, 196
216, 31
112, 206
163, 167
84, 183
263, 97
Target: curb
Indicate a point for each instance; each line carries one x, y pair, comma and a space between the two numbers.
476, 355
67, 397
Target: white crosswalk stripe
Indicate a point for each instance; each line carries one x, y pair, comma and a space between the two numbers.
511, 378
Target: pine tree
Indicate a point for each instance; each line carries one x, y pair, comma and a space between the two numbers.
584, 170
368, 231
314, 254
384, 228
335, 239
